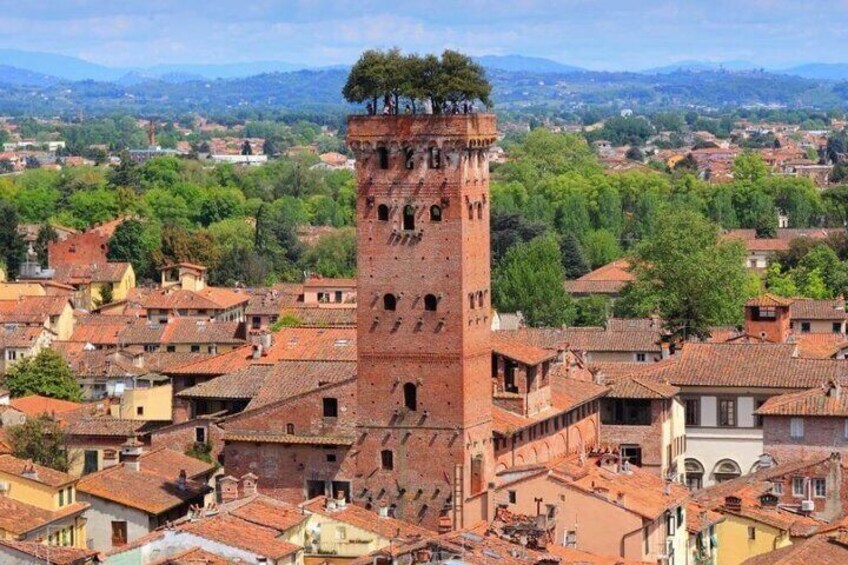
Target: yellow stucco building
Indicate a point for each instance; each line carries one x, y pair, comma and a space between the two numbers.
39, 503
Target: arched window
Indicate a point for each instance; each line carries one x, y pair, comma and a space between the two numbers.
409, 157
383, 152
725, 470
410, 396
389, 302
480, 299
471, 211
435, 213
387, 460
383, 213
694, 474
409, 217
430, 302
479, 210
290, 429
471, 300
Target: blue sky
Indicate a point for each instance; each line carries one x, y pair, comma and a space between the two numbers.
598, 34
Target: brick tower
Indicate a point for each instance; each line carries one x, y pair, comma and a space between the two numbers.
424, 445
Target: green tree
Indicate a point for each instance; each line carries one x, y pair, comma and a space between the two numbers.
333, 255
106, 295
600, 247
779, 283
41, 440
530, 280
573, 262
694, 279
593, 310
46, 235
134, 242
46, 374
749, 166
12, 246
125, 173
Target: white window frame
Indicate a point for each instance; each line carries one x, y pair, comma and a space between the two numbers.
819, 482
798, 482
796, 428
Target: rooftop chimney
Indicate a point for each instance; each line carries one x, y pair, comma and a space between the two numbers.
29, 471
257, 351
229, 488
248, 485
181, 480
131, 454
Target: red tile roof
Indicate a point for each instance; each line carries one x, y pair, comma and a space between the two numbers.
241, 384
43, 475
235, 532
312, 344
32, 309
35, 405
609, 279
762, 365
586, 339
385, 527
830, 399
220, 364
818, 550
50, 555
293, 378
521, 352
153, 490
87, 273
639, 491
769, 300
643, 388
19, 518
809, 309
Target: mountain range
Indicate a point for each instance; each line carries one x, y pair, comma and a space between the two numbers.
20, 67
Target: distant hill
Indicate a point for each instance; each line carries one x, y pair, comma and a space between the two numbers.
821, 71
520, 63
61, 66
23, 77
694, 65
229, 70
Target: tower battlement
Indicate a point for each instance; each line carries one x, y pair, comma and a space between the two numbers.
469, 130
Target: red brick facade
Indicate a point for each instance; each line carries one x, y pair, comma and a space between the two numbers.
423, 316
822, 436
87, 248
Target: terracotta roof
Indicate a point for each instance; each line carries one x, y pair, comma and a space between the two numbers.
762, 365
182, 331
312, 344
32, 309
571, 556
269, 301
100, 330
819, 345
20, 336
699, 518
639, 491
241, 384
818, 550
385, 527
220, 364
19, 518
87, 273
521, 352
830, 399
586, 339
35, 405
190, 266
106, 426
235, 532
769, 300
208, 298
633, 324
44, 475
809, 309
163, 461
320, 282
609, 279
147, 489
292, 378
266, 511
638, 387
194, 556
50, 555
